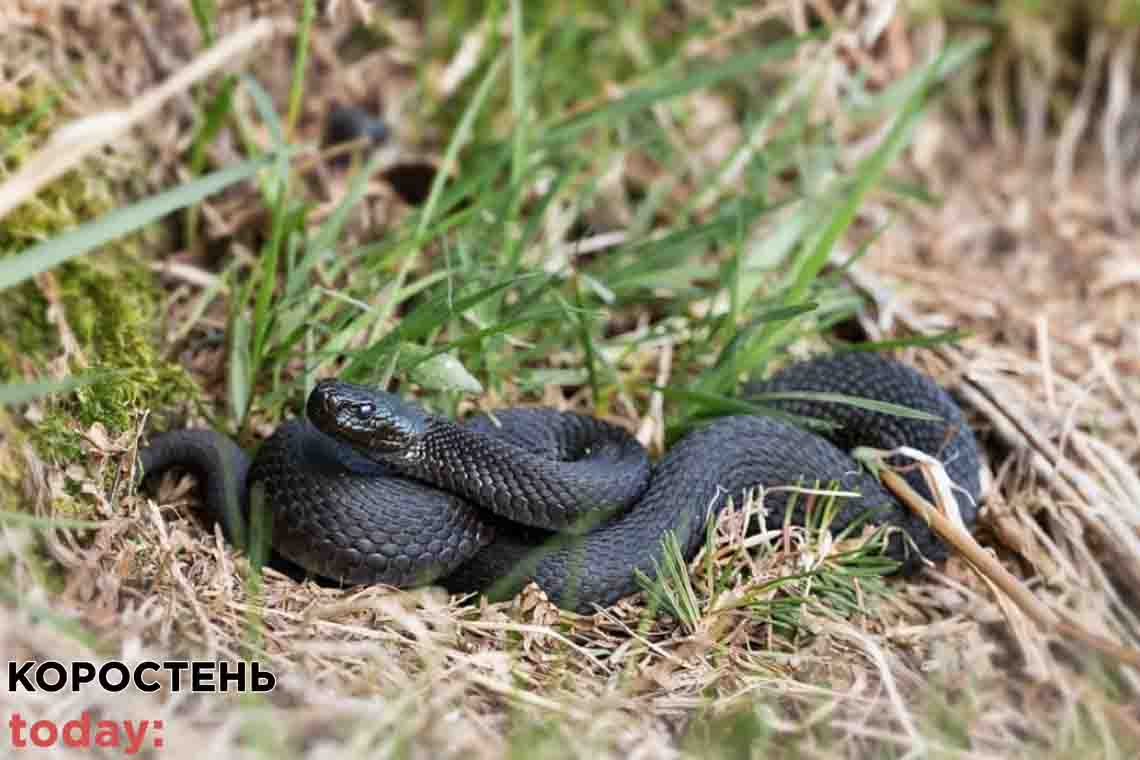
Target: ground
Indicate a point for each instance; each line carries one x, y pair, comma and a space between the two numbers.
1008, 213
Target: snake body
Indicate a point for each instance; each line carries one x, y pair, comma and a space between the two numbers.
369, 488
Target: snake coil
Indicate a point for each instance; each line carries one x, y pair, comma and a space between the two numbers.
373, 489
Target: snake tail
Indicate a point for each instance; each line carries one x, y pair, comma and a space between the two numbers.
220, 466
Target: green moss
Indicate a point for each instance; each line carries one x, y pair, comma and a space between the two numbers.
107, 301
12, 466
11, 469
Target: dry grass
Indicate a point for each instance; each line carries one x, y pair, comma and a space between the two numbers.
1032, 249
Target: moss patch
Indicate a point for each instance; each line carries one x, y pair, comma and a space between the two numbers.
107, 301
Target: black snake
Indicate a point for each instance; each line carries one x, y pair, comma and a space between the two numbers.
373, 489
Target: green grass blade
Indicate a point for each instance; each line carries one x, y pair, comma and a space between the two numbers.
518, 94
911, 341
87, 237
870, 405
714, 405
867, 176
327, 234
240, 372
300, 61
643, 98
21, 393
462, 135
17, 131
418, 324
205, 11
215, 116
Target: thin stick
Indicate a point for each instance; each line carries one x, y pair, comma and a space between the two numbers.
73, 142
987, 565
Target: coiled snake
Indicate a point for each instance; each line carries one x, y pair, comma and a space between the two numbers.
373, 489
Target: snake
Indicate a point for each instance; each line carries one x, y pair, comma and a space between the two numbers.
367, 487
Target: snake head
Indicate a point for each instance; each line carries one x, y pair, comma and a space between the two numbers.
378, 424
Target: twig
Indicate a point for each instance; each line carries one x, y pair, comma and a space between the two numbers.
72, 142
988, 566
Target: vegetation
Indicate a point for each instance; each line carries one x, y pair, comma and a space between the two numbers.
627, 213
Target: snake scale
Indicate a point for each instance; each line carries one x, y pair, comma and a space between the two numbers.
369, 488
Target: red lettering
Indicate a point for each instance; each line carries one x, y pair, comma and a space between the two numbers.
41, 727
108, 734
83, 725
134, 739
129, 736
16, 726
